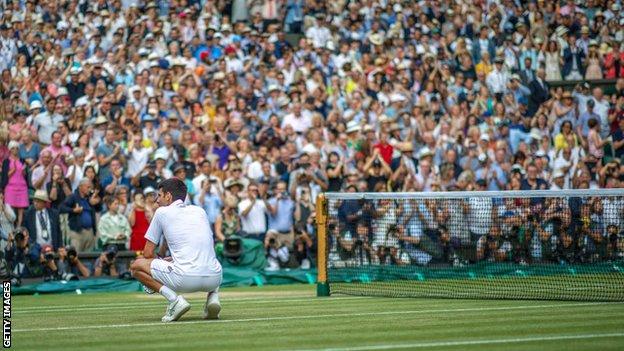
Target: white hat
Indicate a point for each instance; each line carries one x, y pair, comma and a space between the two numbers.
75, 70
41, 195
482, 157
485, 137
35, 104
424, 152
540, 153
396, 97
148, 190
283, 101
352, 126
153, 56
273, 87
62, 91
13, 144
375, 39
558, 173
226, 27
219, 76
81, 102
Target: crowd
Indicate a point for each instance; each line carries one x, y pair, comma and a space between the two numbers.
259, 106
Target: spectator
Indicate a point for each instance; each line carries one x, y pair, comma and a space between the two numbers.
138, 219
14, 182
81, 207
228, 222
253, 213
42, 222
113, 227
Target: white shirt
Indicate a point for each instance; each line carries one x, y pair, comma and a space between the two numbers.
299, 124
187, 231
137, 160
497, 81
480, 215
255, 221
216, 189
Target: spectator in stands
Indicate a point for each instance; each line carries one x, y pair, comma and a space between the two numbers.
113, 226
81, 207
42, 222
14, 181
252, 212
138, 219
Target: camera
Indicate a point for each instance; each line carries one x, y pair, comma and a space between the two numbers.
111, 252
18, 235
71, 252
49, 256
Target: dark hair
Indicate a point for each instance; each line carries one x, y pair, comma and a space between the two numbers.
592, 122
175, 187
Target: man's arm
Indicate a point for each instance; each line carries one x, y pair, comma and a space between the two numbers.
149, 251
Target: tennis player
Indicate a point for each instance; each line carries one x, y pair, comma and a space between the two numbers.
192, 265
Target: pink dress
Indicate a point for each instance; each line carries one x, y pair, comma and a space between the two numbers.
16, 190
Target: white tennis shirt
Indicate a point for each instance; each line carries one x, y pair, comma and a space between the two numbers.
189, 238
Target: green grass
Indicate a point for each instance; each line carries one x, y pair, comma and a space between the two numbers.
292, 318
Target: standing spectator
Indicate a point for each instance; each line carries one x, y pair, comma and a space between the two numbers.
42, 222
594, 62
7, 220
113, 226
14, 181
59, 188
209, 201
81, 207
614, 63
281, 209
228, 222
42, 171
253, 213
553, 61
138, 219
573, 60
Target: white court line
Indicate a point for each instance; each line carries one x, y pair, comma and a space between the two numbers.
269, 297
118, 306
265, 319
469, 342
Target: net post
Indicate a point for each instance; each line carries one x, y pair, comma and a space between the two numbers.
322, 287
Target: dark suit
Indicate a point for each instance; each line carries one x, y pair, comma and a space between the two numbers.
30, 223
539, 95
396, 162
527, 76
568, 57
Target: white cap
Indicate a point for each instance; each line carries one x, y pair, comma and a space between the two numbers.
35, 104
482, 157
558, 173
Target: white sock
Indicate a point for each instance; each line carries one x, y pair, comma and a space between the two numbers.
169, 294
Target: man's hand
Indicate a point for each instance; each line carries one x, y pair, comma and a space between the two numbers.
104, 259
120, 236
78, 209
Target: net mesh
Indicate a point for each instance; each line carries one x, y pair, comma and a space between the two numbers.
505, 245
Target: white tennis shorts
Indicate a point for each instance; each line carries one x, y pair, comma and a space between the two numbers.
164, 272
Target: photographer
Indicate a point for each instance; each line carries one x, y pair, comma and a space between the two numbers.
105, 264
23, 260
48, 264
69, 265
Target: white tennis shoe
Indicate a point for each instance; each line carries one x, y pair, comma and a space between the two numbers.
176, 309
212, 308
147, 290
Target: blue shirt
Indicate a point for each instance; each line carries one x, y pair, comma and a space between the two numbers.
212, 206
85, 216
283, 219
105, 150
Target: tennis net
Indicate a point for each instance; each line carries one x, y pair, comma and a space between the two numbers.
563, 245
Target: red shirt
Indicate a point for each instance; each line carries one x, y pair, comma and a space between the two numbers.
385, 150
137, 238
